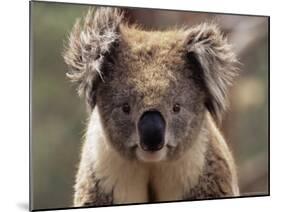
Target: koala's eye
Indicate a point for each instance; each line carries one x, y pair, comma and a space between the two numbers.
126, 108
176, 108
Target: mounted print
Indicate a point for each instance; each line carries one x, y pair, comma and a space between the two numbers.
139, 105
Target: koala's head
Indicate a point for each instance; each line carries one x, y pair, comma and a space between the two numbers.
152, 89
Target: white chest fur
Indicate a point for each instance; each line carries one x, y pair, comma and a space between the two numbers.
173, 180
129, 180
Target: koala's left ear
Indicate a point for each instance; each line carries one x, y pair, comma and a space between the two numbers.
214, 61
90, 42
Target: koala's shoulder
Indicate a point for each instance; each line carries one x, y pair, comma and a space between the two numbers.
219, 176
216, 178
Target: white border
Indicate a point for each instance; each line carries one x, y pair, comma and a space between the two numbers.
14, 87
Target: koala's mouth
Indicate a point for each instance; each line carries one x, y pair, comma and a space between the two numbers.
151, 156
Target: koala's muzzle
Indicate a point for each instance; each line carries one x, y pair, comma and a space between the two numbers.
151, 128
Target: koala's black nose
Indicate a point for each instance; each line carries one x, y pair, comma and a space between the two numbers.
151, 128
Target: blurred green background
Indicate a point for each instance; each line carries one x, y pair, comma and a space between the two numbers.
59, 116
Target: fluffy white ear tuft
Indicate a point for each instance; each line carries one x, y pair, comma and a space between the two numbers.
90, 40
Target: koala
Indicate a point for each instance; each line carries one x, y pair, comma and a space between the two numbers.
155, 101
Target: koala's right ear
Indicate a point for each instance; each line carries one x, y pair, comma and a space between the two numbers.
89, 43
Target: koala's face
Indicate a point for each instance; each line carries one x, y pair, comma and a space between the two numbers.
152, 89
150, 101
